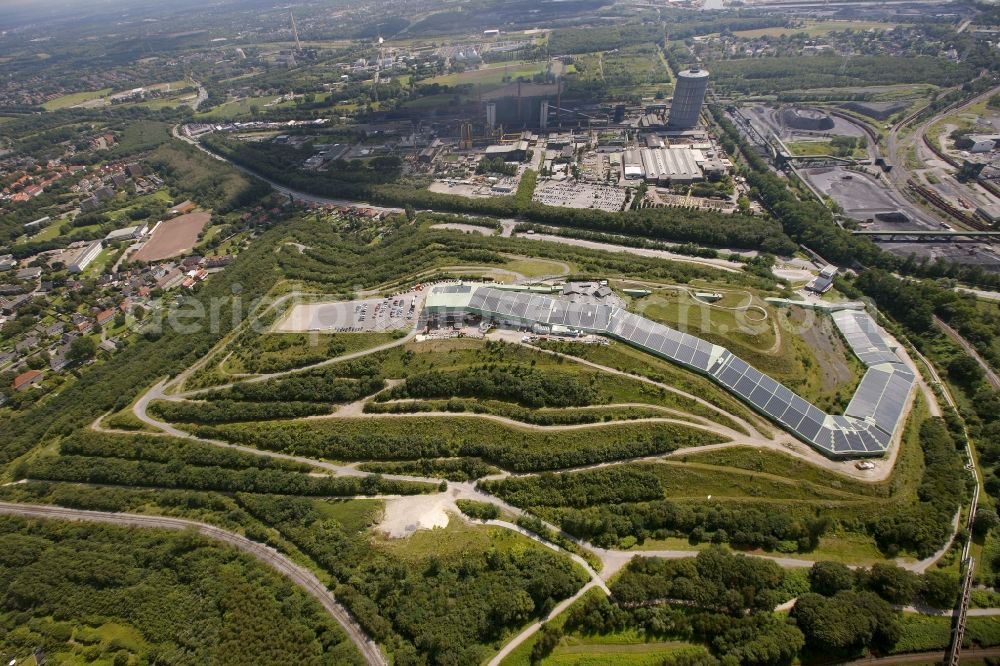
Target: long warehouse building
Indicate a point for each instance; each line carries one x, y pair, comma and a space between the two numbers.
867, 427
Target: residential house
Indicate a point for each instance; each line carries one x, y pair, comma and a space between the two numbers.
105, 316
29, 378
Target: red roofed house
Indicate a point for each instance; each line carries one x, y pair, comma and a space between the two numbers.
106, 316
27, 379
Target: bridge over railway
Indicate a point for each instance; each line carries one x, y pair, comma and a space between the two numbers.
927, 235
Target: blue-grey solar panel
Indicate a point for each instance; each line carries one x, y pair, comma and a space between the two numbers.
809, 427
769, 384
775, 408
628, 330
519, 308
728, 377
478, 298
744, 386
685, 354
759, 396
700, 360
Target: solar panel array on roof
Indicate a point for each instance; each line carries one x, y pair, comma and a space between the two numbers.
866, 428
864, 337
454, 289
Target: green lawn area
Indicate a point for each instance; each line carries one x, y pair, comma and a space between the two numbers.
236, 108
100, 262
49, 232
535, 267
66, 101
818, 148
353, 515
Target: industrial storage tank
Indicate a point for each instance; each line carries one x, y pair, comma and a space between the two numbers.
812, 120
689, 94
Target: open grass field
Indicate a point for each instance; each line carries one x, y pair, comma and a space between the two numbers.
273, 352
174, 237
236, 108
817, 28
492, 76
534, 268
73, 99
818, 148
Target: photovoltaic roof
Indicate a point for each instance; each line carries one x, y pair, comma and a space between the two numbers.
866, 427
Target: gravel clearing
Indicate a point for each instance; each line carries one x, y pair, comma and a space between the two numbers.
405, 515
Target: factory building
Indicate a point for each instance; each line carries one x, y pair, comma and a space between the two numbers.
669, 166
689, 94
512, 152
84, 257
520, 104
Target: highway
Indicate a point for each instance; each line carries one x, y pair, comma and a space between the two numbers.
287, 568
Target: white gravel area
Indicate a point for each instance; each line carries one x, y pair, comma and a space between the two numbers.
405, 515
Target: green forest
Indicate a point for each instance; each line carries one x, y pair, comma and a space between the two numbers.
103, 594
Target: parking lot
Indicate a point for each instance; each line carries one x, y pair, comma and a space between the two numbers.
373, 315
580, 195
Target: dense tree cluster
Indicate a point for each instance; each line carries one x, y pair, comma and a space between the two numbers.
157, 448
526, 386
776, 74
452, 469
233, 411
846, 623
890, 582
312, 386
508, 410
479, 510
177, 474
608, 505
756, 639
923, 526
714, 579
413, 438
611, 485
64, 581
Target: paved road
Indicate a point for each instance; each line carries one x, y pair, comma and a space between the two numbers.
297, 574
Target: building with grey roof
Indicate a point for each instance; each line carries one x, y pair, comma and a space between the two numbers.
867, 427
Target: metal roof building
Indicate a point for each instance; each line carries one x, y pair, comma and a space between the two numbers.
867, 427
